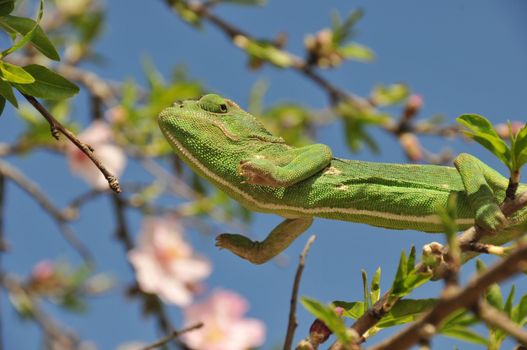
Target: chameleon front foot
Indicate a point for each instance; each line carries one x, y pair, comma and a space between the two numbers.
260, 252
243, 247
259, 172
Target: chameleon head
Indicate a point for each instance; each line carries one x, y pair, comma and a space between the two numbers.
209, 124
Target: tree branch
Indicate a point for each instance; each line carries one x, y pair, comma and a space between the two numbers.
122, 234
60, 217
465, 241
57, 127
455, 300
292, 323
497, 319
163, 341
59, 338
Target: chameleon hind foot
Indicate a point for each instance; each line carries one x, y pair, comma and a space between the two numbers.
260, 252
490, 217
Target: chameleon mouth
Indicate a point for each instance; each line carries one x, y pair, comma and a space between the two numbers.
164, 117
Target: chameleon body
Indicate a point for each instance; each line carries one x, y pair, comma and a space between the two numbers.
232, 149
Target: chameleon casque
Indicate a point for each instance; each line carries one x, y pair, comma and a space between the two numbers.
232, 149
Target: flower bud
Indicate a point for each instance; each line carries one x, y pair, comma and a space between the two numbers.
504, 131
319, 332
411, 145
304, 345
324, 37
43, 271
413, 106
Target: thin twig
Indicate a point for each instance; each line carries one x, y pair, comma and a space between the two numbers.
159, 343
455, 300
121, 232
3, 247
33, 191
123, 235
497, 319
485, 248
60, 217
299, 65
336, 94
80, 200
3, 242
96, 85
63, 339
77, 245
57, 127
292, 323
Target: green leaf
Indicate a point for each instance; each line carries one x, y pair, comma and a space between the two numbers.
2, 105
15, 74
411, 259
398, 287
6, 7
356, 136
154, 77
494, 296
28, 36
520, 147
406, 310
48, 84
353, 309
520, 311
510, 299
390, 95
6, 91
480, 266
357, 52
22, 25
465, 334
414, 279
483, 133
344, 30
330, 318
460, 318
89, 26
266, 51
448, 219
375, 289
187, 14
365, 292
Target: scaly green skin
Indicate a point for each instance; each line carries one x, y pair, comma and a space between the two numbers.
231, 148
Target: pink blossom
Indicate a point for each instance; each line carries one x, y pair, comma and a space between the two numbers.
43, 271
165, 263
413, 106
504, 131
224, 327
99, 135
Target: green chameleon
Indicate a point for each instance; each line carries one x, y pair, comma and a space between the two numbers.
232, 149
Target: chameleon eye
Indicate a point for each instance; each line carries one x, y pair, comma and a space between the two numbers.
213, 103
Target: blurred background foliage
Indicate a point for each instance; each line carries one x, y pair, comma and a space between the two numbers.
51, 56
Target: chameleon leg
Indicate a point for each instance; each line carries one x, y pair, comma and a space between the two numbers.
476, 176
259, 252
286, 168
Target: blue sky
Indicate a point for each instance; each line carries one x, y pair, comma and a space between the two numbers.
461, 57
